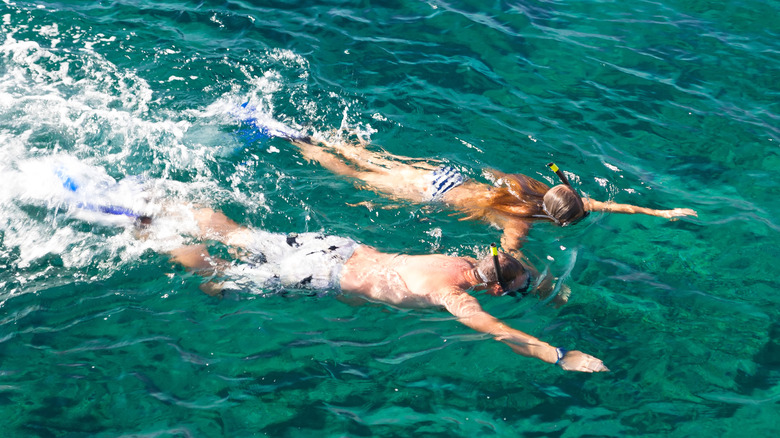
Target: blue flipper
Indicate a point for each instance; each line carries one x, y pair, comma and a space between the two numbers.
257, 127
73, 186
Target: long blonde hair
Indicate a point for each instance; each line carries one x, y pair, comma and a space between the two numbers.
522, 197
515, 195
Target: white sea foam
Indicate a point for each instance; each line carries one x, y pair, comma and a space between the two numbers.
75, 142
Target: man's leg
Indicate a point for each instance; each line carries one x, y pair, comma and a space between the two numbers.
193, 257
197, 258
215, 225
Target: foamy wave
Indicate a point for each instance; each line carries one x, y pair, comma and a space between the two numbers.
71, 139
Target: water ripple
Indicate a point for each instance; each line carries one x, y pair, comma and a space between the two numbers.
653, 103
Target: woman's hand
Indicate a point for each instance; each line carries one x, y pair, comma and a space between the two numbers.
578, 361
677, 212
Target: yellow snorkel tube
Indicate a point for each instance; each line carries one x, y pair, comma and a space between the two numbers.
497, 265
560, 173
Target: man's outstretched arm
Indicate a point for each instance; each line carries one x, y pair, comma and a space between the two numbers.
468, 311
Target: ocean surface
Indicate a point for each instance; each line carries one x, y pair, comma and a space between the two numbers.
661, 104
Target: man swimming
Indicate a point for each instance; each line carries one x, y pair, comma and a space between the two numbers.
318, 262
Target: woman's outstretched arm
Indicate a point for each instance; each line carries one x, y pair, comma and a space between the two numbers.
612, 207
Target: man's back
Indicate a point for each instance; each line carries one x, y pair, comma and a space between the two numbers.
404, 280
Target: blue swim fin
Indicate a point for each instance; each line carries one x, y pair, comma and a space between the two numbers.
71, 184
258, 127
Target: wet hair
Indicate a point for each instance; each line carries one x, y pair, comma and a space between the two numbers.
516, 195
511, 268
564, 205
522, 197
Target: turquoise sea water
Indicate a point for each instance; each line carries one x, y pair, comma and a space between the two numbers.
661, 104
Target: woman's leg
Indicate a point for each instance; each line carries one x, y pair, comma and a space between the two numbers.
396, 179
362, 157
327, 160
393, 178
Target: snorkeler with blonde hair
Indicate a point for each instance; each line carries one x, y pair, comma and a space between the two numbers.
512, 204
332, 264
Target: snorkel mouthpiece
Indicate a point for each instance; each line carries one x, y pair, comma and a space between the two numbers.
560, 173
497, 266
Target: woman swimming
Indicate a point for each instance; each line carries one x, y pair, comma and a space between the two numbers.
512, 204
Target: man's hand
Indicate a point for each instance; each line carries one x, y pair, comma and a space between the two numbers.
579, 361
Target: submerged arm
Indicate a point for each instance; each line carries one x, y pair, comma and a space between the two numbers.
612, 207
514, 236
469, 312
